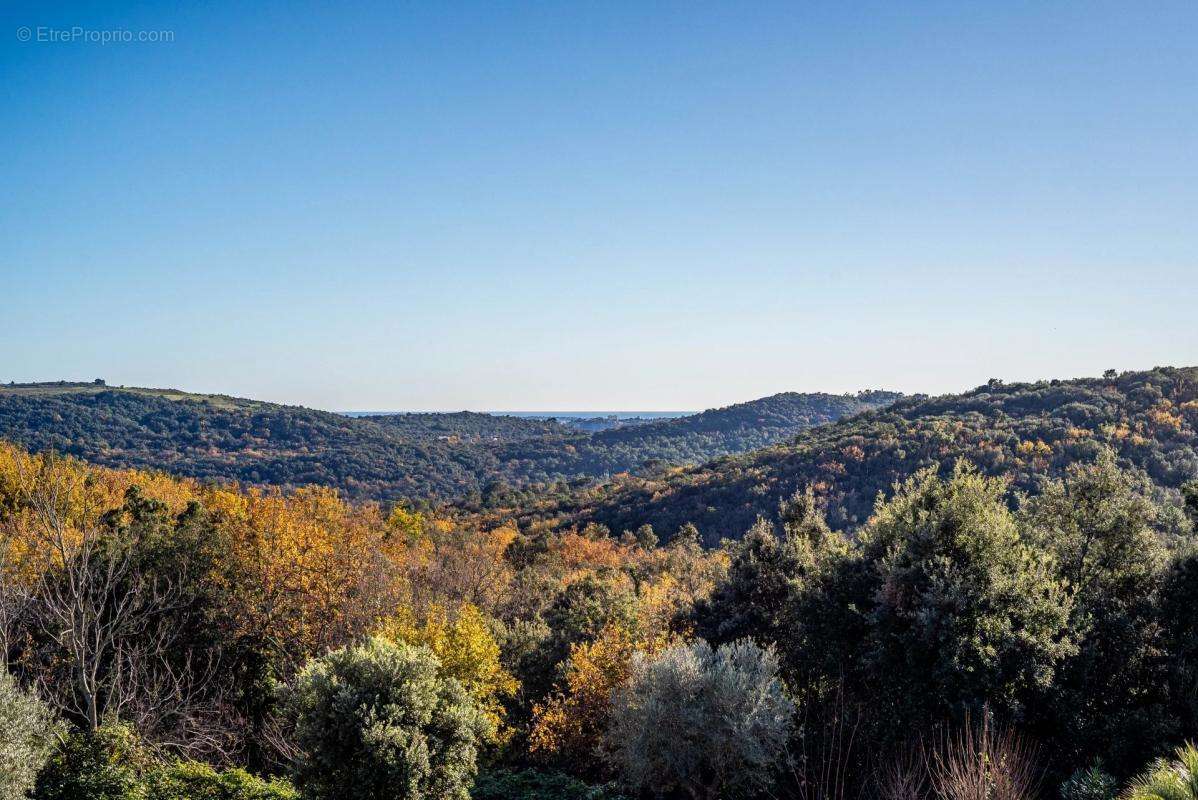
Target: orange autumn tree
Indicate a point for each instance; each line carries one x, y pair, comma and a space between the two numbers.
311, 570
569, 724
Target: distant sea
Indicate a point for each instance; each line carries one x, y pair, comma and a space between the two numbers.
552, 414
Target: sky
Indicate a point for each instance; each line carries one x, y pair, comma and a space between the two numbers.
601, 205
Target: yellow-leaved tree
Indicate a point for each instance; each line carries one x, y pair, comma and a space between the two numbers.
569, 724
464, 644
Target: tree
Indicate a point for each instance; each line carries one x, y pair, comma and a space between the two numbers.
466, 651
711, 723
1110, 696
1090, 783
106, 611
752, 600
505, 784
966, 613
645, 537
768, 573
376, 720
1189, 494
1181, 630
568, 726
578, 615
17, 593
687, 536
124, 605
27, 736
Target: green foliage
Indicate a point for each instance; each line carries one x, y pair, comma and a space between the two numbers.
191, 780
377, 721
527, 784
711, 723
1023, 431
1168, 780
1111, 696
577, 615
1180, 588
1091, 783
1189, 493
768, 574
753, 599
966, 612
28, 730
388, 457
108, 764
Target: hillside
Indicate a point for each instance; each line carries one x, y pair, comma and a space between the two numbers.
1026, 431
467, 426
691, 439
415, 456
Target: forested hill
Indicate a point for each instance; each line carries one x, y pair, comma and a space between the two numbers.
467, 426
1027, 431
691, 439
463, 456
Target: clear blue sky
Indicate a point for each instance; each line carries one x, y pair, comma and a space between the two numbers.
637, 205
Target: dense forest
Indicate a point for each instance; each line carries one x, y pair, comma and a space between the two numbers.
164, 638
1027, 433
476, 458
985, 596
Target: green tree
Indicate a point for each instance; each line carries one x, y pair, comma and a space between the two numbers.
1181, 631
577, 616
645, 537
1111, 696
710, 723
27, 736
753, 598
768, 573
376, 720
1189, 495
966, 613
504, 784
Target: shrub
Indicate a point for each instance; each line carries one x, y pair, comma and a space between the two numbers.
27, 735
1091, 783
191, 780
983, 762
532, 785
107, 764
376, 720
711, 723
1168, 780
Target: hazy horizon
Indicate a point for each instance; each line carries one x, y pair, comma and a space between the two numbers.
583, 409
619, 206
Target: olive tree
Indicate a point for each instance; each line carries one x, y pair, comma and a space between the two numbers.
376, 720
27, 737
711, 723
